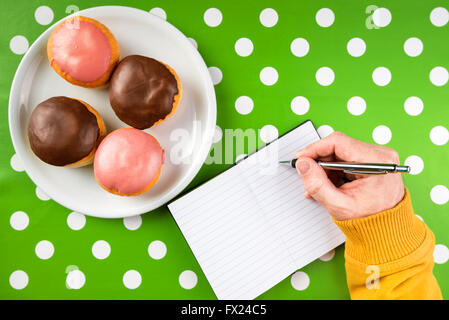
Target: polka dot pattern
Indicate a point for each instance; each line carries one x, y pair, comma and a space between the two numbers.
18, 44
213, 17
157, 250
43, 15
241, 47
244, 47
269, 76
188, 279
244, 105
382, 134
356, 47
439, 135
132, 223
132, 279
268, 17
325, 17
216, 75
300, 280
268, 133
19, 220
75, 279
300, 105
44, 250
76, 221
18, 279
101, 249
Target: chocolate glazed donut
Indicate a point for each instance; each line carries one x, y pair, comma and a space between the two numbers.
62, 131
143, 91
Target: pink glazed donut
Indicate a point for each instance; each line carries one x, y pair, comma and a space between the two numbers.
128, 162
83, 51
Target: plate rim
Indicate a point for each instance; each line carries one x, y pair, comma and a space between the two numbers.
206, 139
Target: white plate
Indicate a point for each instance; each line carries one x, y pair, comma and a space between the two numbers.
137, 32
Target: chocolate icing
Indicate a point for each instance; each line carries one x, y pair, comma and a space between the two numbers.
62, 131
142, 91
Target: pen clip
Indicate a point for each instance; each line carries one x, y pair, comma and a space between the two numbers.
365, 172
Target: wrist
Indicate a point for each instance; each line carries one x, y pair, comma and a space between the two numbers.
385, 236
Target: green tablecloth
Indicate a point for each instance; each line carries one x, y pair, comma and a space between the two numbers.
419, 135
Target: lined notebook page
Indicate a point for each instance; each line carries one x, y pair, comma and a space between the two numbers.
305, 227
250, 227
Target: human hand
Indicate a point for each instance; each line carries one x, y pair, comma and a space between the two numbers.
348, 196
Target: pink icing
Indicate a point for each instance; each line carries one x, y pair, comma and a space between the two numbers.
83, 53
127, 160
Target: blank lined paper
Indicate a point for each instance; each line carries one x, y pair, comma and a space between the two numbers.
251, 226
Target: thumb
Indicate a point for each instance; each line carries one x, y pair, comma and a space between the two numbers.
318, 186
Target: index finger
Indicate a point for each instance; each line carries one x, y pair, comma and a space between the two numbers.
344, 148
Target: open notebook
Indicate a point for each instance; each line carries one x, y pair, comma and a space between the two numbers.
251, 226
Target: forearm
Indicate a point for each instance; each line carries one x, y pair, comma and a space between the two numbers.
389, 255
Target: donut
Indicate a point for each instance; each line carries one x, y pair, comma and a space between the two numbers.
143, 91
64, 131
128, 162
83, 51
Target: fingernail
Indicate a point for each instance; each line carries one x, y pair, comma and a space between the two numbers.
303, 166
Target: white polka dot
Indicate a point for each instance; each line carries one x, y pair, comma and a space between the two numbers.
440, 254
76, 221
419, 217
439, 17
101, 249
268, 76
41, 194
244, 47
324, 130
268, 17
132, 279
415, 163
300, 280
356, 106
413, 47
132, 223
299, 47
413, 106
16, 163
382, 17
356, 47
268, 133
75, 279
18, 44
439, 194
19, 220
439, 135
188, 279
300, 105
240, 157
439, 76
216, 75
213, 17
44, 249
325, 17
159, 12
157, 250
328, 256
43, 15
381, 76
382, 134
18, 279
244, 105
218, 134
325, 76
193, 42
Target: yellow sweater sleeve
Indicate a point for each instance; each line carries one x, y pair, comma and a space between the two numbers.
389, 255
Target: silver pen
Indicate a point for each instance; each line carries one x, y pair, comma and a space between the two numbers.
358, 168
